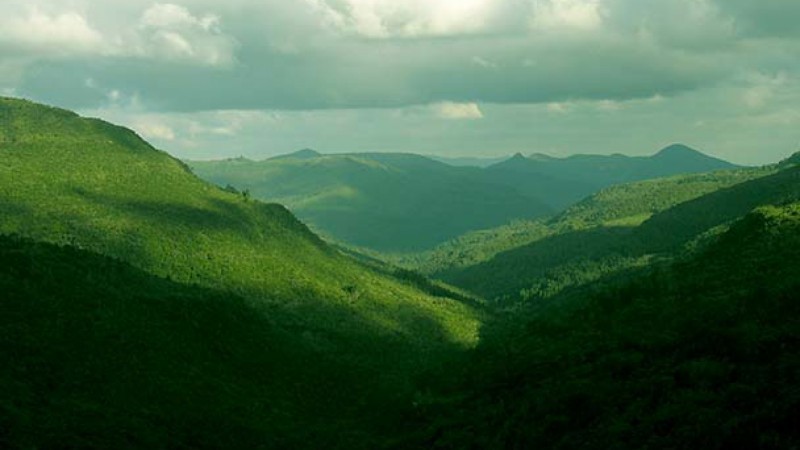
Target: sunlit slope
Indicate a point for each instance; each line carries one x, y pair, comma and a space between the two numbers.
608, 233
69, 180
387, 202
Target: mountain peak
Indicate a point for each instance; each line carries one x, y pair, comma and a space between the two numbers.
305, 153
676, 150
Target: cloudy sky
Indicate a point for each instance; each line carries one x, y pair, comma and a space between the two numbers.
210, 78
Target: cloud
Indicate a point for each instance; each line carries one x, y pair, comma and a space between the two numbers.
457, 111
151, 130
763, 18
332, 54
172, 32
407, 19
36, 31
57, 34
584, 15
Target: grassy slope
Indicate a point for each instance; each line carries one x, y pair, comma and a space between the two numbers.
699, 354
388, 202
92, 185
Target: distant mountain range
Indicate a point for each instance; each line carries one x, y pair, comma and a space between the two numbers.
395, 202
389, 202
559, 182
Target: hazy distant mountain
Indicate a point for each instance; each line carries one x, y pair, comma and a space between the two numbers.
563, 181
461, 161
384, 201
401, 202
305, 153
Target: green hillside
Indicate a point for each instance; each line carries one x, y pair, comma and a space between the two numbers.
146, 308
698, 354
108, 356
625, 205
98, 187
400, 203
577, 255
386, 202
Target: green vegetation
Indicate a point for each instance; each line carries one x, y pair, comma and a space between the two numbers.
386, 202
399, 203
99, 354
570, 257
702, 353
619, 207
94, 186
145, 308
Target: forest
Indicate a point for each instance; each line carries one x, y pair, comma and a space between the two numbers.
144, 306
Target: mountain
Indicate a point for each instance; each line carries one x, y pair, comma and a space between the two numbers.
702, 352
572, 251
305, 153
625, 205
383, 201
563, 181
400, 203
151, 279
460, 161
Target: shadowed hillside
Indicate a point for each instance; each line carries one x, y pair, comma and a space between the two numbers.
699, 353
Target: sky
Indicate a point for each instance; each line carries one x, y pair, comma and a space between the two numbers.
207, 79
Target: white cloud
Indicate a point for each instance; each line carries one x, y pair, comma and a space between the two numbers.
457, 111
762, 89
558, 108
60, 34
33, 31
485, 63
410, 18
556, 15
172, 32
154, 130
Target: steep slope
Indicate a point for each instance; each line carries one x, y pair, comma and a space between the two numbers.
95, 186
562, 181
98, 354
575, 256
702, 353
387, 202
580, 255
625, 205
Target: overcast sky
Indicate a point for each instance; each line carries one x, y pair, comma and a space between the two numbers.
210, 78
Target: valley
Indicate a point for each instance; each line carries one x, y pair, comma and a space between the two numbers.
149, 302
